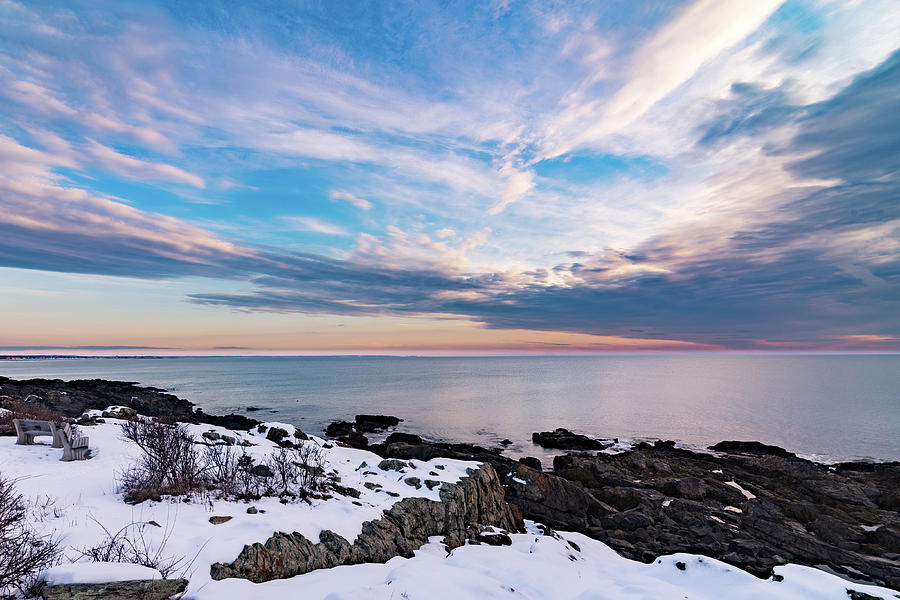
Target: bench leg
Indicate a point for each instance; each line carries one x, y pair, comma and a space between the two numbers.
75, 454
20, 434
55, 432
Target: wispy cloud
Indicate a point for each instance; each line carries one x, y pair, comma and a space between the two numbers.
359, 203
313, 224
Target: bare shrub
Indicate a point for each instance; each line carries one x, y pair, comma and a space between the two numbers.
255, 479
283, 463
169, 463
222, 468
132, 544
310, 460
172, 464
23, 552
20, 409
33, 410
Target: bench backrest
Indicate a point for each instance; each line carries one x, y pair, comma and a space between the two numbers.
69, 441
32, 426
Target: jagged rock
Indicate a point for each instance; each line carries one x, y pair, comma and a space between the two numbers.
673, 500
413, 482
566, 440
151, 589
755, 509
476, 500
210, 435
532, 463
551, 499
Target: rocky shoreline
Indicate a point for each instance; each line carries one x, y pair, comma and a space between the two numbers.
748, 504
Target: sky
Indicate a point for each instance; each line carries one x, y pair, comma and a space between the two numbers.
463, 177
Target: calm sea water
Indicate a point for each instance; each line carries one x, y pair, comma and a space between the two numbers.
827, 407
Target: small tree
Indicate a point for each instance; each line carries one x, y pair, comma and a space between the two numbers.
23, 552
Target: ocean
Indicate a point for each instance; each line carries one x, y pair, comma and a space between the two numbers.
826, 407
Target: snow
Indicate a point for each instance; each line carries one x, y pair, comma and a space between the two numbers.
733, 509
870, 528
98, 572
563, 566
737, 486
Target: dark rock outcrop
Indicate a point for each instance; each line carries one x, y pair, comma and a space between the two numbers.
338, 429
754, 509
403, 438
734, 447
151, 589
658, 499
72, 398
563, 439
464, 509
373, 423
352, 434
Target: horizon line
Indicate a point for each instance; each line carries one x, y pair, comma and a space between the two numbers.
668, 352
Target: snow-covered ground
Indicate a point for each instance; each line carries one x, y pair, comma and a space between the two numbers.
73, 499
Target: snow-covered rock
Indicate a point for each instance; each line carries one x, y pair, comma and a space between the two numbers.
97, 572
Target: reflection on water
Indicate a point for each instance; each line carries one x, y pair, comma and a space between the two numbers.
837, 406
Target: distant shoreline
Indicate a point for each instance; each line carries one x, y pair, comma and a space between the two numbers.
635, 354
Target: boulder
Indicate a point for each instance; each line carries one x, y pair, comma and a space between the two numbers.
392, 464
403, 438
564, 439
338, 429
277, 435
372, 423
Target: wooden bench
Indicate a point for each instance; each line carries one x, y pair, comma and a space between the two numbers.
74, 447
28, 429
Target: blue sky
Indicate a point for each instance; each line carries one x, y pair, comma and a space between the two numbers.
464, 177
